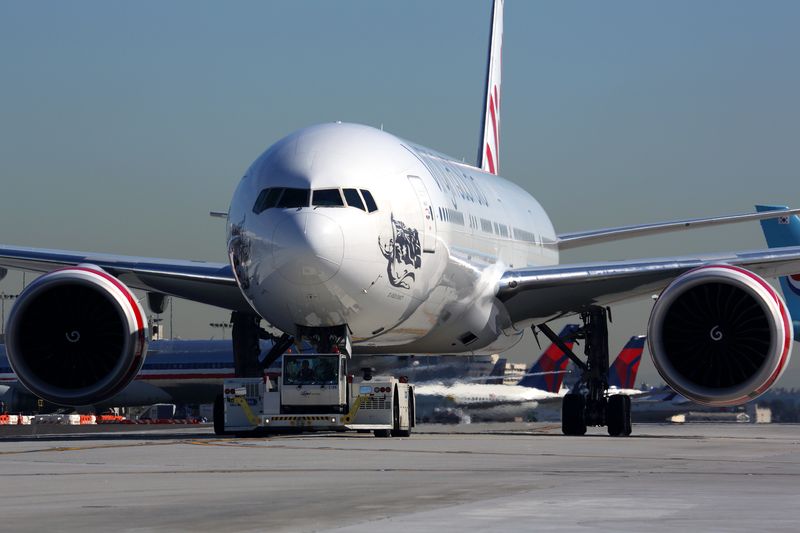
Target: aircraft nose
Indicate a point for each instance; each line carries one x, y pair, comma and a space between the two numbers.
308, 248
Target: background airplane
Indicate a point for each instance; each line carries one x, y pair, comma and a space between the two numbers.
176, 371
541, 386
782, 232
623, 371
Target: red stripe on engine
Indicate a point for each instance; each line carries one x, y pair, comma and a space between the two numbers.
122, 288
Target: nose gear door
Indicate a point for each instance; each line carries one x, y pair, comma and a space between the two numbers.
429, 221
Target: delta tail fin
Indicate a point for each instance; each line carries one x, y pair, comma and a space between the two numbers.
780, 232
497, 373
489, 148
547, 373
622, 372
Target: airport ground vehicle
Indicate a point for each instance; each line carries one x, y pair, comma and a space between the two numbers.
315, 392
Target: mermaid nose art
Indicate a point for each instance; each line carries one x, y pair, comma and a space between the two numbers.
308, 248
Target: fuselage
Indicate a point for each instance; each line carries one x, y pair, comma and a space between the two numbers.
346, 224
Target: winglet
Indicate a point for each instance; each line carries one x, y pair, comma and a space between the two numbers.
489, 148
622, 373
547, 373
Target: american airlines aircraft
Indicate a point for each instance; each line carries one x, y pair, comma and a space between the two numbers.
355, 240
176, 371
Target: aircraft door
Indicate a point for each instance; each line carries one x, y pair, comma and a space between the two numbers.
429, 221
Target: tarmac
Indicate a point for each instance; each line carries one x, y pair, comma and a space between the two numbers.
477, 477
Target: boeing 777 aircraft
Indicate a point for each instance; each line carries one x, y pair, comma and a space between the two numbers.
355, 240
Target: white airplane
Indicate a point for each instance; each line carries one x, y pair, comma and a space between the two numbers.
356, 240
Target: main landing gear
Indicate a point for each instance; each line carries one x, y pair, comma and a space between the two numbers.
588, 403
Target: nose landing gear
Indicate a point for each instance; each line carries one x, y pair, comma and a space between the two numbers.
246, 334
588, 403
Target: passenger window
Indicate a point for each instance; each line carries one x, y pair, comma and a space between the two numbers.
371, 205
353, 199
327, 198
294, 198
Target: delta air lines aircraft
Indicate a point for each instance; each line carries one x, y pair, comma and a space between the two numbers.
355, 240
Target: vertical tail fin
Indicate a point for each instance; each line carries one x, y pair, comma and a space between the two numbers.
489, 149
547, 373
622, 373
497, 373
779, 232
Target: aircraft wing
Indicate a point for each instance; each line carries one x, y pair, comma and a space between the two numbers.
208, 283
577, 239
550, 292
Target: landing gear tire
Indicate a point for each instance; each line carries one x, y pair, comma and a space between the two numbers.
383, 433
396, 430
573, 415
618, 415
401, 432
219, 415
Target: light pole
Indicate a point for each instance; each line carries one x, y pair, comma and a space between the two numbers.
221, 325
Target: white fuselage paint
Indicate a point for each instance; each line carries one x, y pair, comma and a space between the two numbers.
327, 266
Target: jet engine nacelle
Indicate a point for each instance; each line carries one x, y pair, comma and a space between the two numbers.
76, 336
720, 335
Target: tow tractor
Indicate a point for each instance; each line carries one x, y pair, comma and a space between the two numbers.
314, 392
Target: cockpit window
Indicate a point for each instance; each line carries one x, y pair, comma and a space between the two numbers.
266, 199
369, 200
288, 198
327, 198
294, 198
259, 205
353, 199
272, 198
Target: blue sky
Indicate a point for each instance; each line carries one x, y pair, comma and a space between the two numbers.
123, 124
